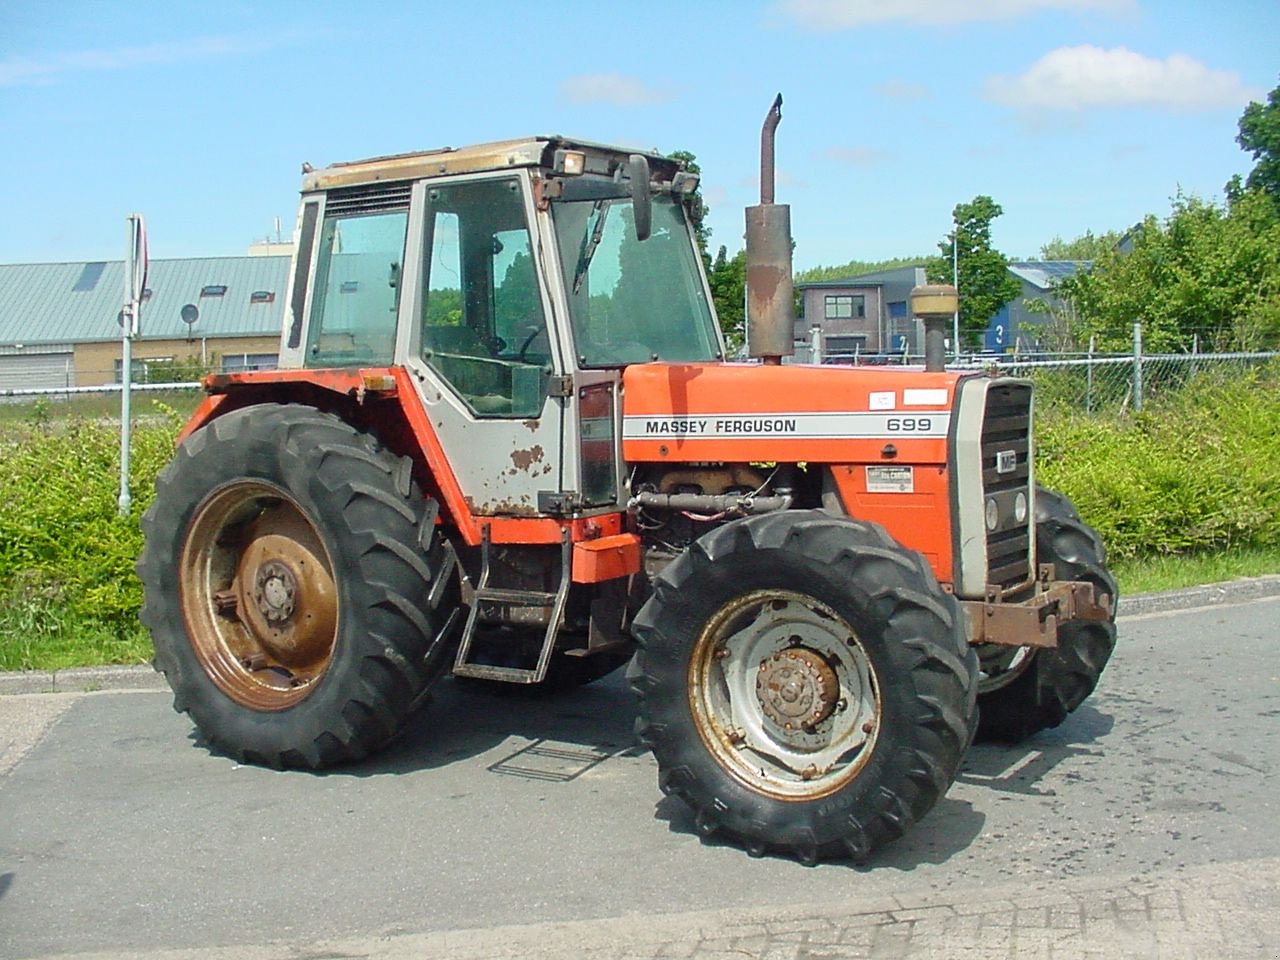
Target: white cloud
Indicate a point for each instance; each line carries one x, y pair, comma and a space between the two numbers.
1076, 78
843, 14
612, 88
24, 71
901, 90
861, 157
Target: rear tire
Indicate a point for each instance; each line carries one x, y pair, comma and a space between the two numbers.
286, 569
1024, 691
804, 683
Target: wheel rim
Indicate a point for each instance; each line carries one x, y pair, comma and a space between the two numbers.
784, 695
258, 595
999, 666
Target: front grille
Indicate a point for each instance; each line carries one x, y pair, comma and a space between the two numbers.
1006, 473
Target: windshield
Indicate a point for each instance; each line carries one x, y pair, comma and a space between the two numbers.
631, 301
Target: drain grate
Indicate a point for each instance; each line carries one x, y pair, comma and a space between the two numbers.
551, 761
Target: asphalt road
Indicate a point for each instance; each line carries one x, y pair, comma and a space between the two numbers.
121, 835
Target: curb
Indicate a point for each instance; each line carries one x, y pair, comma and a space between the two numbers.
141, 677
1232, 591
82, 680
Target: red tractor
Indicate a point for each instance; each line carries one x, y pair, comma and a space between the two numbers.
505, 442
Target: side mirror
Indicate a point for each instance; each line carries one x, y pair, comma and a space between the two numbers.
641, 198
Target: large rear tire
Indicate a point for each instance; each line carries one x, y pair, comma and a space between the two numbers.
804, 683
287, 567
1023, 691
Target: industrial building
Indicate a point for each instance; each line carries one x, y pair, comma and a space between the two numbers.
59, 322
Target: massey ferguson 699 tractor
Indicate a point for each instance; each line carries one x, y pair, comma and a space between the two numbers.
505, 443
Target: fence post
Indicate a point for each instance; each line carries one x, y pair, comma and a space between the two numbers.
1088, 377
1137, 367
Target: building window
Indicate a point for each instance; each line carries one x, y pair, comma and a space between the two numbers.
262, 296
242, 362
845, 306
145, 370
214, 290
90, 274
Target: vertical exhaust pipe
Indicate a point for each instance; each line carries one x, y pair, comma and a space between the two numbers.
770, 326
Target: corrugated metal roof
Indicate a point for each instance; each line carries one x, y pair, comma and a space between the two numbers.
42, 303
1046, 273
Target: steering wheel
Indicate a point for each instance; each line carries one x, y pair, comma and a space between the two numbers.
538, 329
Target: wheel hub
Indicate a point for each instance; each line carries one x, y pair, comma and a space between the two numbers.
287, 599
274, 591
797, 688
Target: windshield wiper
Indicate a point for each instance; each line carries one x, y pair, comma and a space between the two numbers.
601, 210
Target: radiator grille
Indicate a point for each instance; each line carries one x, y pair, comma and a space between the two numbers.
1006, 473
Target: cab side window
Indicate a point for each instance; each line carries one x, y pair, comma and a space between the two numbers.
357, 288
483, 327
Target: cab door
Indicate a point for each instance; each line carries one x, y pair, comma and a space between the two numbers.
476, 337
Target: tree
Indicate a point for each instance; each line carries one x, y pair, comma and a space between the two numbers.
1084, 247
854, 268
985, 284
728, 280
696, 205
1260, 136
1206, 272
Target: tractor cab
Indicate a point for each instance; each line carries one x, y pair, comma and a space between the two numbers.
506, 278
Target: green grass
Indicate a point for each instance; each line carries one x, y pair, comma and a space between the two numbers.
1154, 574
50, 637
94, 406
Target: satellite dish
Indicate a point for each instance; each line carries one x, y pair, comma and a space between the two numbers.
190, 314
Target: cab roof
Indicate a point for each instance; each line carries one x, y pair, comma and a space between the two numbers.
538, 151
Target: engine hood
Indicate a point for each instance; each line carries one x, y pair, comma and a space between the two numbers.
725, 412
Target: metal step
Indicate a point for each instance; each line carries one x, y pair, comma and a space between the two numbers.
490, 597
516, 598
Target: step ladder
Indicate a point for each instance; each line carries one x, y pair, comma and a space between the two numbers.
488, 598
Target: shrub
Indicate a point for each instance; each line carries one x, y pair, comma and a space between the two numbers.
1195, 471
66, 557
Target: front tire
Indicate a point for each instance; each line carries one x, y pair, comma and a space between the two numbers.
287, 566
804, 683
1024, 691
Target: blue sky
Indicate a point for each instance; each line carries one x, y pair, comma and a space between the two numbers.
1074, 115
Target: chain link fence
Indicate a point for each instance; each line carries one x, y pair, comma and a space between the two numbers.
1113, 384
1088, 383
1092, 383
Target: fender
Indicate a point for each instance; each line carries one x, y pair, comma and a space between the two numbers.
383, 400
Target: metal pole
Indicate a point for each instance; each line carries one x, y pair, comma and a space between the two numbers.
1088, 377
1137, 367
134, 283
126, 377
955, 282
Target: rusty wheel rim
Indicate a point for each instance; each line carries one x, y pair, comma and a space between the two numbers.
258, 595
784, 695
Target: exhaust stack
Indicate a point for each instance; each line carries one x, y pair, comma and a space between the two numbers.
935, 304
770, 333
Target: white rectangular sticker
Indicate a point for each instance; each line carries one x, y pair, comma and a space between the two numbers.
930, 397
887, 400
891, 480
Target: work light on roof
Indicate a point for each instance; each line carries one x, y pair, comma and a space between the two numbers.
570, 162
